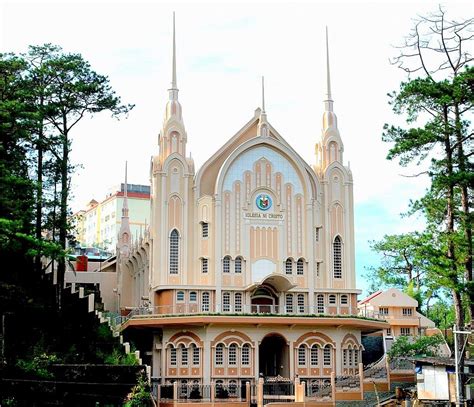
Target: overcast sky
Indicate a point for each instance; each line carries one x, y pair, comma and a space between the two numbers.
222, 50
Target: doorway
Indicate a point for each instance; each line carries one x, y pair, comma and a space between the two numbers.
273, 356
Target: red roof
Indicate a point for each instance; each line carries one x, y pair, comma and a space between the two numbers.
370, 297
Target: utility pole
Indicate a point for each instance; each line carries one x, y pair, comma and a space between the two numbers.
456, 362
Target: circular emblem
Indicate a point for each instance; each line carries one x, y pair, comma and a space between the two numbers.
264, 202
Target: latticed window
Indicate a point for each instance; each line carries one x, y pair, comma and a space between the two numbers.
226, 302
407, 312
173, 356
174, 251
318, 268
184, 388
232, 387
233, 354
204, 265
356, 357
337, 257
327, 355
289, 302
320, 303
205, 302
246, 354
289, 266
301, 303
205, 229
350, 357
332, 299
314, 355
220, 354
238, 302
344, 357
238, 265
300, 267
184, 355
226, 264
196, 355
344, 299
302, 355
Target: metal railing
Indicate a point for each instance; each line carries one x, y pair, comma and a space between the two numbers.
401, 364
347, 383
318, 389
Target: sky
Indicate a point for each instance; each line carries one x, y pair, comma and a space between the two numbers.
223, 49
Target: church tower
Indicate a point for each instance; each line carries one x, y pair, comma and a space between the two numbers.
338, 219
171, 194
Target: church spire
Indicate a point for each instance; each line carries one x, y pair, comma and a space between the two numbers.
173, 91
124, 236
262, 128
328, 103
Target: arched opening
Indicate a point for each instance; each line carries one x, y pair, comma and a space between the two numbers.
264, 300
274, 356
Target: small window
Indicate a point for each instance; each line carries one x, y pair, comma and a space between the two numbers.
174, 252
226, 302
332, 299
300, 267
184, 388
344, 299
289, 266
204, 229
337, 257
327, 356
314, 355
180, 296
383, 311
320, 303
318, 268
220, 354
204, 265
389, 332
316, 234
184, 355
301, 303
196, 355
238, 302
205, 302
246, 355
407, 312
350, 357
238, 265
356, 357
405, 331
233, 354
193, 296
344, 357
302, 355
289, 303
226, 264
232, 388
173, 360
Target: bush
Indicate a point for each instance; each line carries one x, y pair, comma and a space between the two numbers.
38, 366
407, 346
140, 395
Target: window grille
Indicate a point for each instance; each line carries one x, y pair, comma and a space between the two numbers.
327, 356
316, 235
383, 311
246, 355
192, 296
405, 331
205, 302
233, 354
232, 388
332, 299
205, 229
238, 302
337, 257
314, 355
344, 357
356, 357
174, 252
180, 296
289, 266
226, 264
226, 302
407, 312
173, 356
184, 355
302, 355
196, 355
320, 303
300, 267
204, 265
301, 303
238, 265
344, 299
289, 303
220, 354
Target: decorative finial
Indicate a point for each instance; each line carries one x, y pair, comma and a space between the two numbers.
173, 91
263, 94
328, 101
125, 195
126, 184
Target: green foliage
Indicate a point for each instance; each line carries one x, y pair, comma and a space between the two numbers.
119, 357
140, 395
38, 366
407, 346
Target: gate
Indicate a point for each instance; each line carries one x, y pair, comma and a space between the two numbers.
278, 390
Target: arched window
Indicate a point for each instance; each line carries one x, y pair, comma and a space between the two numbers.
246, 354
193, 296
344, 299
219, 354
204, 265
300, 267
204, 229
332, 299
327, 356
314, 355
180, 296
238, 265
196, 355
320, 303
238, 302
174, 252
289, 303
226, 264
232, 388
289, 266
344, 357
184, 355
205, 302
226, 302
233, 354
173, 360
337, 257
356, 357
350, 355
184, 388
301, 303
302, 355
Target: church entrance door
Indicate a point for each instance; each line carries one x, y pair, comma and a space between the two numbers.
274, 356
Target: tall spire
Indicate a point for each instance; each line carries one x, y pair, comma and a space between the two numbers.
173, 91
123, 243
328, 103
125, 195
263, 94
262, 128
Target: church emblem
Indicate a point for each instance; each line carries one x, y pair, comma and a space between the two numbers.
264, 202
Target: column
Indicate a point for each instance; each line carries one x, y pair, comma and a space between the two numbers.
292, 360
206, 355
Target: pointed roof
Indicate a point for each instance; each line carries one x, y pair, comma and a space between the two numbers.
173, 91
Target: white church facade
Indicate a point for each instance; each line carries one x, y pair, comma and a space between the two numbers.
247, 269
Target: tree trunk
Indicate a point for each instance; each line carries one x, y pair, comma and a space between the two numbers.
39, 189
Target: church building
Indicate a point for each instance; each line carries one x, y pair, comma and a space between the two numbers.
247, 269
